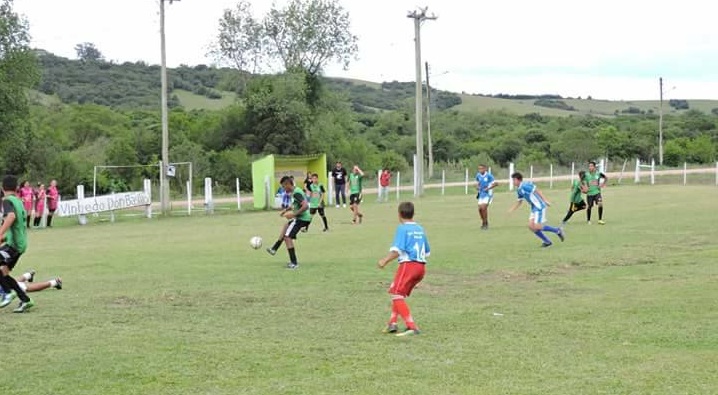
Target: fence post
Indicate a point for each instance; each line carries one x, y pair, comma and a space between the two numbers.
378, 185
653, 171
189, 198
43, 221
330, 188
601, 166
208, 203
239, 196
443, 181
398, 185
466, 181
573, 172
531, 172
147, 187
511, 171
716, 173
685, 173
637, 176
112, 212
550, 176
82, 218
268, 194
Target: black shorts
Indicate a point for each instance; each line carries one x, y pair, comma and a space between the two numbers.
355, 198
313, 211
577, 206
295, 225
594, 200
9, 256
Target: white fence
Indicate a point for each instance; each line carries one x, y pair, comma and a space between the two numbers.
447, 180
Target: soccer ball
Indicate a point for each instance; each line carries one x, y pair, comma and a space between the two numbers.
256, 242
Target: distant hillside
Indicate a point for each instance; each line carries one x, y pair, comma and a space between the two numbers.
137, 85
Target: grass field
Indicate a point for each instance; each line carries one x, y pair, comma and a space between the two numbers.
193, 101
184, 306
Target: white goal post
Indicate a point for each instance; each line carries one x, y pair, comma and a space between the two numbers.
171, 169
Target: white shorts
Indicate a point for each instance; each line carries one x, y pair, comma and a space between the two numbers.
22, 285
538, 216
485, 200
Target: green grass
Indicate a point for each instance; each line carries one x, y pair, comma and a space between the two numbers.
192, 101
184, 306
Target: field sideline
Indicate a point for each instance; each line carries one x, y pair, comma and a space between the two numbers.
185, 306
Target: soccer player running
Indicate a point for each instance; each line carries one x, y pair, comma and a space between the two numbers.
355, 188
595, 181
13, 234
485, 183
316, 201
298, 216
526, 190
577, 202
411, 249
339, 176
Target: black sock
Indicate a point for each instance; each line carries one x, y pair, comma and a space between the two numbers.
277, 244
600, 213
37, 221
588, 214
292, 255
324, 219
10, 283
568, 216
28, 222
49, 220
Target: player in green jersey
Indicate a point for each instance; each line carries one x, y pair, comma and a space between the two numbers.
316, 201
298, 216
355, 188
14, 238
577, 203
595, 180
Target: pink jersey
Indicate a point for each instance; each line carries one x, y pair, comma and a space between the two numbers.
26, 195
52, 197
40, 202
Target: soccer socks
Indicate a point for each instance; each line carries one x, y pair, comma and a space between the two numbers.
550, 229
49, 221
400, 306
10, 283
324, 219
568, 216
600, 213
394, 315
542, 236
292, 255
588, 214
277, 244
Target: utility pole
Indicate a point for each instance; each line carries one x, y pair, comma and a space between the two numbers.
419, 16
164, 180
428, 123
660, 123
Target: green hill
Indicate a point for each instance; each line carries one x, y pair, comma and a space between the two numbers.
136, 86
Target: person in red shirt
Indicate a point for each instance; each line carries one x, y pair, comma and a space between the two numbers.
26, 194
53, 197
384, 181
40, 196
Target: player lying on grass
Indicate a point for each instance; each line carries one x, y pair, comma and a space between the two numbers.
526, 190
410, 248
26, 282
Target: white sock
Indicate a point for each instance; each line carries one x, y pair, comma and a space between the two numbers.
27, 276
53, 283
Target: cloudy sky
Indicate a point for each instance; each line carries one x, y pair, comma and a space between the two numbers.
613, 49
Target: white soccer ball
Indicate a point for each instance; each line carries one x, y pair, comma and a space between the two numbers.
256, 242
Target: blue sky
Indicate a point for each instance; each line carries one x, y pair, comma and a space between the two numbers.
610, 49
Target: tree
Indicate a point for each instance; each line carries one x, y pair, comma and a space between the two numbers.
88, 52
307, 34
241, 40
18, 72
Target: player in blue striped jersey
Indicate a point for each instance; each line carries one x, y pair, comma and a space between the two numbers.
526, 190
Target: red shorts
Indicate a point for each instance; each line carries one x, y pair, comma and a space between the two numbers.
407, 276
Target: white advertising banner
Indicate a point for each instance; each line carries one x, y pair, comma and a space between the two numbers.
98, 204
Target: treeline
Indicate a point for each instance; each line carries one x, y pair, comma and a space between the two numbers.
133, 85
